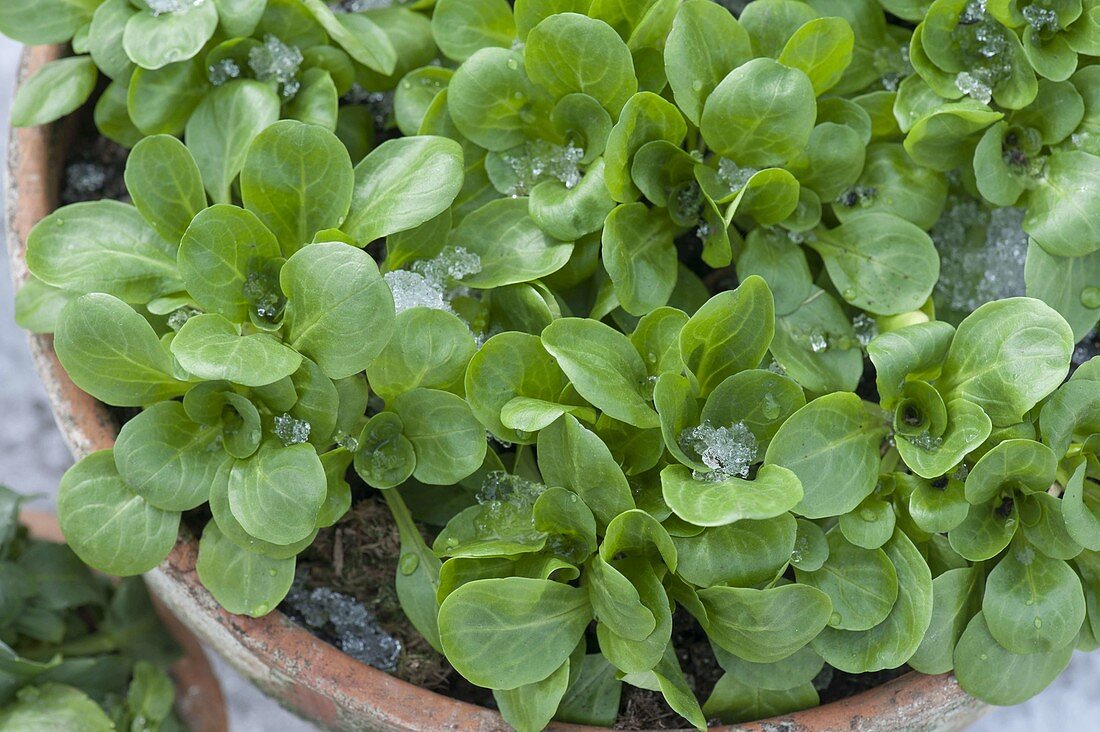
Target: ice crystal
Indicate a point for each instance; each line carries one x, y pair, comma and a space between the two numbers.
346, 441
985, 46
727, 451
353, 627
892, 66
973, 88
819, 343
223, 71
865, 327
734, 175
290, 430
432, 283
1041, 19
925, 441
162, 7
177, 319
535, 162
507, 502
277, 61
262, 291
982, 254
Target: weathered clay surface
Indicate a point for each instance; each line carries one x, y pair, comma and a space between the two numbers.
305, 674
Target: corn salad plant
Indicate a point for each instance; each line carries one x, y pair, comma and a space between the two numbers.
637, 310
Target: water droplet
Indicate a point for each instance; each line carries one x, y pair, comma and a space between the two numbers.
519, 96
697, 85
849, 294
868, 514
834, 619
272, 572
1090, 297
406, 84
1030, 602
513, 64
261, 609
1038, 623
984, 657
408, 564
452, 541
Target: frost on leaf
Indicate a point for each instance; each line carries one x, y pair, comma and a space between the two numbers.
432, 283
353, 627
727, 451
1043, 20
223, 71
161, 7
925, 441
865, 327
982, 255
985, 47
538, 161
290, 430
276, 61
180, 317
733, 175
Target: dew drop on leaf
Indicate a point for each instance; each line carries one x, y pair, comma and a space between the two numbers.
408, 564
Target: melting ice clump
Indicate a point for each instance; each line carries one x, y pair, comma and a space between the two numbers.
223, 71
984, 42
290, 430
161, 7
727, 451
977, 267
431, 283
535, 162
733, 175
354, 629
276, 61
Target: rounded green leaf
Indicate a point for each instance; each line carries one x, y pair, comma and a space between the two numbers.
568, 213
243, 582
429, 348
603, 367
165, 184
987, 529
357, 34
463, 27
822, 49
511, 247
333, 290
1022, 465
901, 188
385, 458
1058, 209
704, 45
1061, 282
168, 459
861, 583
448, 440
298, 180
930, 456
490, 99
162, 101
107, 524
832, 445
212, 348
761, 114
402, 184
505, 633
47, 21
113, 353
774, 491
880, 263
569, 53
102, 246
743, 554
59, 87
152, 40
764, 626
954, 602
277, 493
639, 254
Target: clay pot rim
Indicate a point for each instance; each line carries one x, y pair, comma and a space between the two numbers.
313, 677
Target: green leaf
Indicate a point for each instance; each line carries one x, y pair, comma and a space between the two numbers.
529, 254
113, 353
732, 701
333, 289
167, 459
463, 27
640, 257
530, 708
1006, 356
211, 348
448, 440
402, 184
102, 246
417, 578
165, 184
822, 48
1058, 209
162, 101
763, 400
603, 367
729, 334
569, 53
410, 360
954, 602
764, 626
222, 128
869, 525
902, 188
51, 21
594, 692
152, 41
107, 524
357, 34
573, 457
505, 633
917, 350
223, 256
880, 263
811, 548
54, 706
770, 24
998, 676
774, 491
240, 17
929, 456
58, 88
942, 139
797, 346
704, 45
243, 582
298, 180
385, 458
861, 583
832, 446
645, 118
1061, 282
1022, 465
567, 213
781, 263
1032, 603
987, 529
277, 493
893, 641
761, 95
491, 98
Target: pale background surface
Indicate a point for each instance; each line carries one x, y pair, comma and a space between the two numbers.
33, 457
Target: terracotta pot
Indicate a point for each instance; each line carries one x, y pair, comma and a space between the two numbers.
199, 699
305, 674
